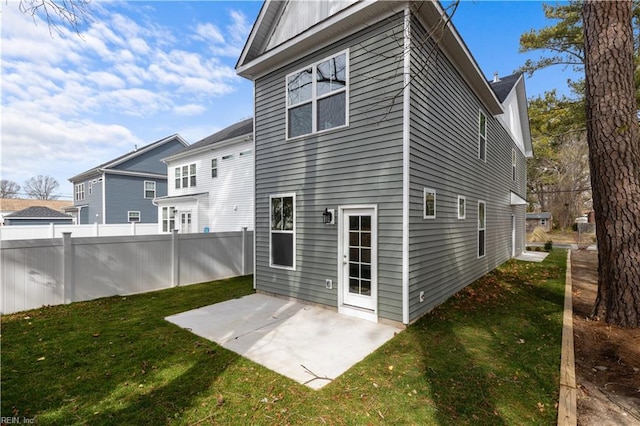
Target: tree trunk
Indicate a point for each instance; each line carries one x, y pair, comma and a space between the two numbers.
614, 157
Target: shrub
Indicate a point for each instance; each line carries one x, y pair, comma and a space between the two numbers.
548, 246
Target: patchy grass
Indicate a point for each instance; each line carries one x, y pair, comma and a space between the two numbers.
490, 355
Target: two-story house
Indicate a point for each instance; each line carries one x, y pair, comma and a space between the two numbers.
389, 172
211, 183
122, 190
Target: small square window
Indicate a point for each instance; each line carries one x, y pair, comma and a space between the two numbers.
462, 207
133, 216
429, 200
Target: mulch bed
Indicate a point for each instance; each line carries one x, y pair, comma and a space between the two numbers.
607, 358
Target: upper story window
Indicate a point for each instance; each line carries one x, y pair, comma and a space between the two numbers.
79, 191
317, 96
90, 187
185, 176
462, 207
214, 167
429, 203
482, 137
513, 164
149, 189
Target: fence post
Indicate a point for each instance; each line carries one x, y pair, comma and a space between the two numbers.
244, 250
68, 284
175, 259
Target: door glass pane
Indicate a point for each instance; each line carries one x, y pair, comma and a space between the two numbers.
354, 223
354, 286
354, 255
366, 223
366, 255
354, 270
366, 239
354, 238
365, 271
365, 287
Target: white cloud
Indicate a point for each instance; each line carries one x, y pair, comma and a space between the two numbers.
190, 109
209, 33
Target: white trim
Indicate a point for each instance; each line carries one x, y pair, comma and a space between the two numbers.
464, 203
255, 204
129, 216
315, 98
104, 197
426, 191
134, 174
406, 162
480, 135
283, 195
362, 313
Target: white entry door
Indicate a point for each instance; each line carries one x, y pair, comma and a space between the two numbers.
359, 261
185, 222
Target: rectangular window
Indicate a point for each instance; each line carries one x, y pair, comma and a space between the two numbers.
513, 164
168, 219
317, 96
79, 191
282, 235
192, 175
214, 167
429, 203
228, 157
133, 216
462, 207
90, 187
185, 176
482, 226
482, 137
149, 189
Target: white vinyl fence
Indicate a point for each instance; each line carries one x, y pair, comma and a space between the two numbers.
64, 270
52, 230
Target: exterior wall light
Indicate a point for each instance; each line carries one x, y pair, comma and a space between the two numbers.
328, 216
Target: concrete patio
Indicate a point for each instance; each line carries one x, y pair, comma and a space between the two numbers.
309, 344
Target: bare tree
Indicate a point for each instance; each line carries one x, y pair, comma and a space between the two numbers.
70, 13
41, 187
9, 189
613, 135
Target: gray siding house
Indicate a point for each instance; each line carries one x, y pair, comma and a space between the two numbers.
389, 172
123, 189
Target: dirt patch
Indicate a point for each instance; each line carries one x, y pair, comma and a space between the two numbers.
607, 358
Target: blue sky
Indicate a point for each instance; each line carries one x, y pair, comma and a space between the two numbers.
141, 71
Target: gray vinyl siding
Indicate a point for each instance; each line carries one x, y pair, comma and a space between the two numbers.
359, 164
444, 157
126, 193
92, 202
150, 162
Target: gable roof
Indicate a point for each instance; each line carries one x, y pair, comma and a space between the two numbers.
128, 156
542, 215
504, 85
37, 212
17, 204
235, 133
259, 57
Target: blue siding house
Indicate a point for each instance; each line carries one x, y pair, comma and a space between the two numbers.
122, 190
390, 173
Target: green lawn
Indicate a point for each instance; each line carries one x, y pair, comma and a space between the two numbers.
490, 355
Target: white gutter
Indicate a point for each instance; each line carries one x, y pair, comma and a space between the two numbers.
104, 198
406, 164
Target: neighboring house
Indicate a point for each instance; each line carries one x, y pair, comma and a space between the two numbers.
389, 172
12, 205
123, 189
37, 215
211, 184
539, 220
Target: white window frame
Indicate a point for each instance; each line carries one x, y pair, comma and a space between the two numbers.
90, 187
214, 168
133, 213
462, 199
167, 218
424, 203
177, 177
79, 191
145, 189
292, 232
315, 98
513, 164
482, 138
482, 226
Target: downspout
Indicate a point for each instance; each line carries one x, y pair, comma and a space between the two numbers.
104, 197
406, 163
255, 189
